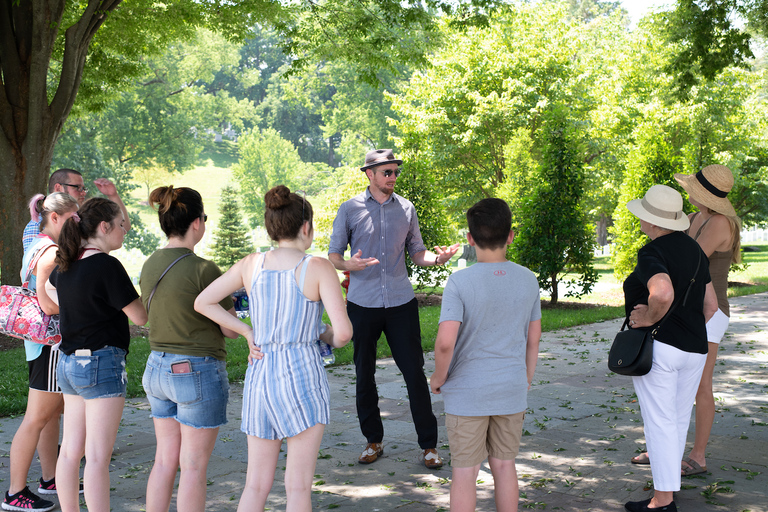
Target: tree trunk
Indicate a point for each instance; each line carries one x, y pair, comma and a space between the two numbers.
601, 229
554, 296
30, 124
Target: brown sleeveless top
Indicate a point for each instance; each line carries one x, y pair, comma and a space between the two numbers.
719, 265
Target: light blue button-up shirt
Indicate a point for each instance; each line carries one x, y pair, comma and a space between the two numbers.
381, 231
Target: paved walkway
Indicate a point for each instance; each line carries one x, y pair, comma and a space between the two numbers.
583, 426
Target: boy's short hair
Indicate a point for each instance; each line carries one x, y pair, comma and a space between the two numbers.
490, 221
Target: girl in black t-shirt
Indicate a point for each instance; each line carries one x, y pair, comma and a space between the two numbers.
96, 299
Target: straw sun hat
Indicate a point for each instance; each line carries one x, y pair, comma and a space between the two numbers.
661, 206
709, 187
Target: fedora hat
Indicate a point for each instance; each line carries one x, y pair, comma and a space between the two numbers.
661, 206
710, 186
380, 157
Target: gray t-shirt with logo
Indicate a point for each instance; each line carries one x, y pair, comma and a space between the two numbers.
494, 302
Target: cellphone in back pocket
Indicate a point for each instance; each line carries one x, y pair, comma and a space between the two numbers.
181, 367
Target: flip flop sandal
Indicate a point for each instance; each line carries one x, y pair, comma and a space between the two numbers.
693, 467
641, 459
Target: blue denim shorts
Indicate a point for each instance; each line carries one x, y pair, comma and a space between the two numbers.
100, 375
197, 397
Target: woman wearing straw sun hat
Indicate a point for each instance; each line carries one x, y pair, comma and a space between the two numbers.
717, 230
665, 280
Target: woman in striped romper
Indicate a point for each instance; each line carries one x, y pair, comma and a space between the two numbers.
286, 389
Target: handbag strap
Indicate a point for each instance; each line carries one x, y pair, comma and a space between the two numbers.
682, 299
149, 301
38, 254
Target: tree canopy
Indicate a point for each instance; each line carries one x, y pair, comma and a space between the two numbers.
53, 52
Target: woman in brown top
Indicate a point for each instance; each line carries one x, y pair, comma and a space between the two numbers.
717, 229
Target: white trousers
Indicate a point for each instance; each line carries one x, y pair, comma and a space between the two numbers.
666, 396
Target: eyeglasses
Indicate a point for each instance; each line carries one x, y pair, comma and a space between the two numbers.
79, 188
389, 172
205, 217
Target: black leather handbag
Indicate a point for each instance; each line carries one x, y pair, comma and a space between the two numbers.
632, 350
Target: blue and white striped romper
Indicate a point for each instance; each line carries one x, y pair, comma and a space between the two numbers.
286, 392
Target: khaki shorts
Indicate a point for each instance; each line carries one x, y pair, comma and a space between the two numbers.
474, 438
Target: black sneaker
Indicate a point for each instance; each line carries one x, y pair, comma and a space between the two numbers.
49, 487
26, 500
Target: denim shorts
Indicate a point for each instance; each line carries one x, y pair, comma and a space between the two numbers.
99, 375
196, 398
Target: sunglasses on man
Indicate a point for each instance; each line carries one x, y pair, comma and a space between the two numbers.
389, 172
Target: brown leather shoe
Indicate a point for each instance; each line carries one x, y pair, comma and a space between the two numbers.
372, 452
431, 459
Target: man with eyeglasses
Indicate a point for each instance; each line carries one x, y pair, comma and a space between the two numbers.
71, 182
378, 226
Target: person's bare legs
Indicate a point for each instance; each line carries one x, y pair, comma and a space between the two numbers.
705, 408
39, 430
102, 419
464, 489
196, 449
163, 474
300, 468
262, 461
48, 444
505, 487
72, 450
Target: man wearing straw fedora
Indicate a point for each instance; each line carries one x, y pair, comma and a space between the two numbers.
378, 226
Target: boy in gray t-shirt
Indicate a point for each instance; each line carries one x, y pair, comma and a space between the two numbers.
485, 355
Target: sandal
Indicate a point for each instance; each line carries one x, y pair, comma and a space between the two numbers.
641, 459
693, 467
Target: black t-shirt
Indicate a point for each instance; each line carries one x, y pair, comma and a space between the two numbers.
676, 255
92, 295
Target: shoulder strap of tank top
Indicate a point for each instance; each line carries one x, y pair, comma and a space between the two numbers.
688, 231
257, 268
36, 257
700, 228
303, 273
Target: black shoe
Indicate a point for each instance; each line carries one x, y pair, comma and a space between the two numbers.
642, 506
49, 487
25, 500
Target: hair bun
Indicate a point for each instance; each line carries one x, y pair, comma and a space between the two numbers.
278, 197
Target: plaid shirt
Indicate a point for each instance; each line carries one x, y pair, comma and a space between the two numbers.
31, 231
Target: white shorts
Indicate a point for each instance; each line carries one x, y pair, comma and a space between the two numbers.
717, 326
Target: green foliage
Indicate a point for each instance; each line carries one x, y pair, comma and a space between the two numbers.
553, 232
139, 237
706, 42
353, 182
588, 10
654, 162
418, 184
749, 195
473, 115
14, 385
266, 160
230, 240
